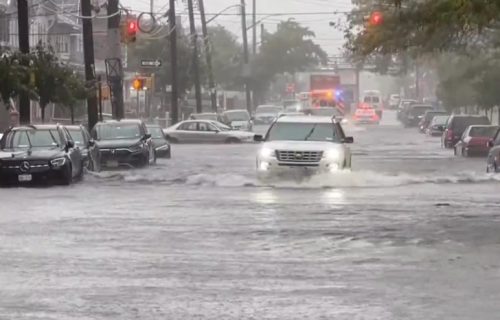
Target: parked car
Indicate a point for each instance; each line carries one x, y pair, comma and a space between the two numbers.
160, 142
205, 131
303, 145
403, 106
266, 114
493, 162
437, 126
394, 101
425, 121
414, 114
238, 119
456, 126
90, 152
474, 141
39, 153
124, 143
205, 116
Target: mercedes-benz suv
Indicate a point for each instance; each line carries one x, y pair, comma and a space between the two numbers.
303, 145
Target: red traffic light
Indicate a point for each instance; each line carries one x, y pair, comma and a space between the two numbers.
376, 18
132, 28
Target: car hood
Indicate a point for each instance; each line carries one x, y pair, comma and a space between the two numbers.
119, 143
14, 154
302, 145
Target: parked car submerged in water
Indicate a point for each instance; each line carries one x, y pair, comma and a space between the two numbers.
474, 141
456, 126
437, 126
493, 161
205, 131
238, 120
90, 152
160, 142
266, 114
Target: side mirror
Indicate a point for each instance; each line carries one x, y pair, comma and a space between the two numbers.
70, 145
258, 138
91, 142
146, 136
348, 140
491, 143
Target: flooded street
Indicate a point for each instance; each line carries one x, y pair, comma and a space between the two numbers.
411, 233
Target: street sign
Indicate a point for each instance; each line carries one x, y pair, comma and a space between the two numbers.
151, 63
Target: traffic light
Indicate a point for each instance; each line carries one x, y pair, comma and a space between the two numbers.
129, 31
138, 84
376, 18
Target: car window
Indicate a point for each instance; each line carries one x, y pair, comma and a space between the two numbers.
482, 131
204, 126
156, 132
78, 137
24, 139
188, 126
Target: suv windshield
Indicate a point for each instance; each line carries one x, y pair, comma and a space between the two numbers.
114, 131
25, 139
282, 131
237, 116
77, 136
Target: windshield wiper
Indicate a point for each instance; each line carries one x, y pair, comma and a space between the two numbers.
310, 133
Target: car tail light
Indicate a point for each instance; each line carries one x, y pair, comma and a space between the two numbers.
449, 134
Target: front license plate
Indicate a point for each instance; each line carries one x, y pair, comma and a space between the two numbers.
25, 177
112, 164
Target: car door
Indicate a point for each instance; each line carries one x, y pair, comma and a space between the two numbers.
94, 153
208, 133
73, 153
186, 132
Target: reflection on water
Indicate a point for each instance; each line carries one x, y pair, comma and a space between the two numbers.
334, 198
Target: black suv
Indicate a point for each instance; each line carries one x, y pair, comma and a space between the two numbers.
124, 143
90, 152
493, 162
39, 152
456, 126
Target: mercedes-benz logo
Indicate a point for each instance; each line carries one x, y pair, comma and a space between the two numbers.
25, 166
298, 155
113, 151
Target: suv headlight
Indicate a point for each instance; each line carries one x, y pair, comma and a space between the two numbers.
266, 152
136, 148
164, 147
332, 154
59, 162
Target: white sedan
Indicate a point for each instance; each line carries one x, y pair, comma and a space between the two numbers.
206, 131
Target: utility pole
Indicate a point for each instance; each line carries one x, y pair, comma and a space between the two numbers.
246, 67
115, 52
254, 29
208, 55
196, 67
24, 47
88, 56
417, 80
173, 59
262, 33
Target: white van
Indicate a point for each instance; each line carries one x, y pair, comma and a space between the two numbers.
374, 98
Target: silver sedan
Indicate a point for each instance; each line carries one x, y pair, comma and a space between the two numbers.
205, 131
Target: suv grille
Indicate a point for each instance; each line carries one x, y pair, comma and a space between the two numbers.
299, 156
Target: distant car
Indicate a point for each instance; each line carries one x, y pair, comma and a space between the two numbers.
160, 142
90, 152
374, 98
205, 131
437, 126
493, 162
456, 126
39, 153
426, 120
303, 145
266, 114
474, 141
124, 143
238, 119
365, 114
414, 114
394, 101
403, 106
205, 116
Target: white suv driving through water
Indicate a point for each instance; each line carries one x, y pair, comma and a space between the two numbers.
304, 145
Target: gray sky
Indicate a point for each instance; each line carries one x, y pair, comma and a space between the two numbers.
319, 14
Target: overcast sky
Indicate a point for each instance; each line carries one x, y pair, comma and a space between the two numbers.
315, 14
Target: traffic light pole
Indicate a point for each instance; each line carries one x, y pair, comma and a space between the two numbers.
24, 47
173, 60
88, 56
208, 55
115, 52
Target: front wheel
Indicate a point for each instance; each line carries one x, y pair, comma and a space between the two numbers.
232, 140
67, 176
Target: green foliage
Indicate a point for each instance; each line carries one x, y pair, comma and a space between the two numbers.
14, 76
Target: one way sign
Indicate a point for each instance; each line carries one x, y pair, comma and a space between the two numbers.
151, 63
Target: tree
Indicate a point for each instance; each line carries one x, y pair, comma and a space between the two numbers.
14, 77
290, 49
72, 91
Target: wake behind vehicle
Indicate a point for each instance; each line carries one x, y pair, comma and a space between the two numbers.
90, 153
303, 145
124, 143
266, 114
160, 141
238, 119
474, 141
456, 126
205, 131
39, 153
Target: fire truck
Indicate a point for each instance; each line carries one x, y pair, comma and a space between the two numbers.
324, 91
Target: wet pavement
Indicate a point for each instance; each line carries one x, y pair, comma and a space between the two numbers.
411, 233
